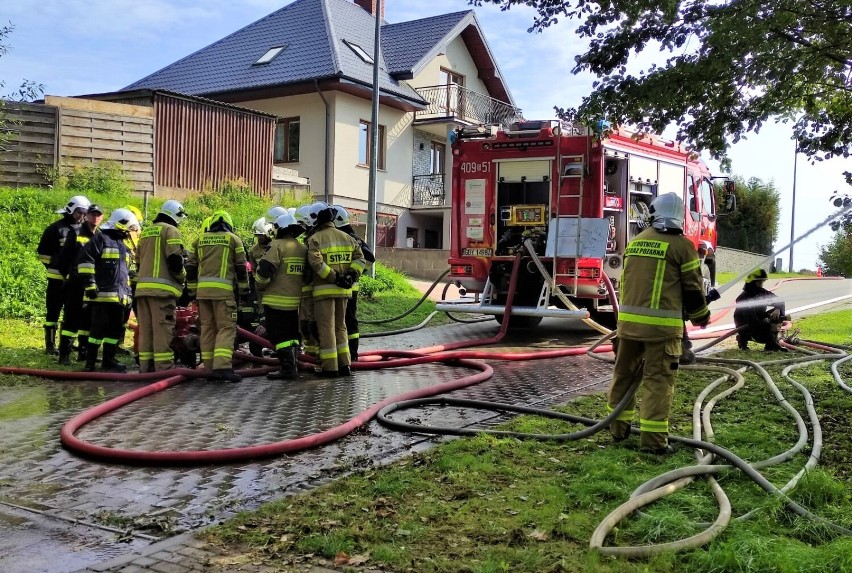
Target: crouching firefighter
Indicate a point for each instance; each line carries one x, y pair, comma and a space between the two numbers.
215, 263
104, 268
759, 314
279, 279
661, 280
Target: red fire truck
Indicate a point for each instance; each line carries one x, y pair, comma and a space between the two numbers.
573, 198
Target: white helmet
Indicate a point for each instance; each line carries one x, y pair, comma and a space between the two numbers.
667, 212
174, 210
261, 227
319, 207
122, 220
284, 221
291, 210
74, 203
274, 213
303, 216
341, 216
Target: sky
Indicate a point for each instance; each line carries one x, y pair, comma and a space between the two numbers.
76, 47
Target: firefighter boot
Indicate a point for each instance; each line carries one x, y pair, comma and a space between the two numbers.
50, 340
287, 362
65, 344
226, 374
82, 348
353, 350
109, 363
91, 356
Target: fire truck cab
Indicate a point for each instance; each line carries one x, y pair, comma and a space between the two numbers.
572, 199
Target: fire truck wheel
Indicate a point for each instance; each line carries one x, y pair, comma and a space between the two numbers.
519, 321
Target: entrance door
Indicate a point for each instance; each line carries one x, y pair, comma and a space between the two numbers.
432, 239
454, 100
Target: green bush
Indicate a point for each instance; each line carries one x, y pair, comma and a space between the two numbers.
104, 177
24, 214
385, 280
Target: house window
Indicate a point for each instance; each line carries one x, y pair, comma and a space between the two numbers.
269, 55
437, 158
454, 98
364, 147
287, 140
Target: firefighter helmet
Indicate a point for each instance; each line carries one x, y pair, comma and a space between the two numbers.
273, 213
285, 220
223, 216
321, 212
291, 210
122, 220
135, 211
74, 203
174, 210
341, 216
667, 212
303, 216
261, 227
756, 275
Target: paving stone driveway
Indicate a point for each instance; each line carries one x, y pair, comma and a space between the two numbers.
61, 513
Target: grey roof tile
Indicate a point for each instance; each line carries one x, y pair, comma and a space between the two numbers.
404, 44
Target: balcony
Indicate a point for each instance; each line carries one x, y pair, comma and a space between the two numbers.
428, 191
454, 103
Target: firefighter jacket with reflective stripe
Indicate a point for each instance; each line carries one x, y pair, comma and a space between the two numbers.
369, 257
256, 253
661, 280
52, 241
103, 265
332, 253
280, 273
70, 253
160, 257
216, 264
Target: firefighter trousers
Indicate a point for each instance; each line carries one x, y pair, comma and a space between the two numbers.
352, 326
53, 302
74, 318
658, 378
155, 316
333, 340
107, 328
218, 322
308, 326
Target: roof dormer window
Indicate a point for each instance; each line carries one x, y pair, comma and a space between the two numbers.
359, 51
269, 55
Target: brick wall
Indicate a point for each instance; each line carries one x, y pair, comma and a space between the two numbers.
426, 264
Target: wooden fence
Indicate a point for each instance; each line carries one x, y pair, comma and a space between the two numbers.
32, 147
65, 132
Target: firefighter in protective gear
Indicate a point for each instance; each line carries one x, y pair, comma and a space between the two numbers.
279, 277
263, 232
49, 248
661, 280
341, 221
337, 261
307, 320
760, 314
159, 285
104, 268
216, 264
77, 312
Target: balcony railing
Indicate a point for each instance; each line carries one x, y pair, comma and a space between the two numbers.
455, 103
428, 190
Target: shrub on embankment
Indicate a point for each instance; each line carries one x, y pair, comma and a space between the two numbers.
26, 212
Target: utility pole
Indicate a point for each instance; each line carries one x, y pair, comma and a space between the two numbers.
793, 209
374, 136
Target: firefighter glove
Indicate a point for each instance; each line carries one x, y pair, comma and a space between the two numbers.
92, 292
713, 295
345, 280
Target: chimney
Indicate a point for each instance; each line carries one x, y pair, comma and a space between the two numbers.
370, 6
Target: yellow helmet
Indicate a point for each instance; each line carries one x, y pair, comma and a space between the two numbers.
222, 216
135, 211
757, 275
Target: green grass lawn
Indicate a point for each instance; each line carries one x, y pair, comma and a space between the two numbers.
487, 504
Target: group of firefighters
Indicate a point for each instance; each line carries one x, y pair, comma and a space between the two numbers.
305, 265
302, 270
